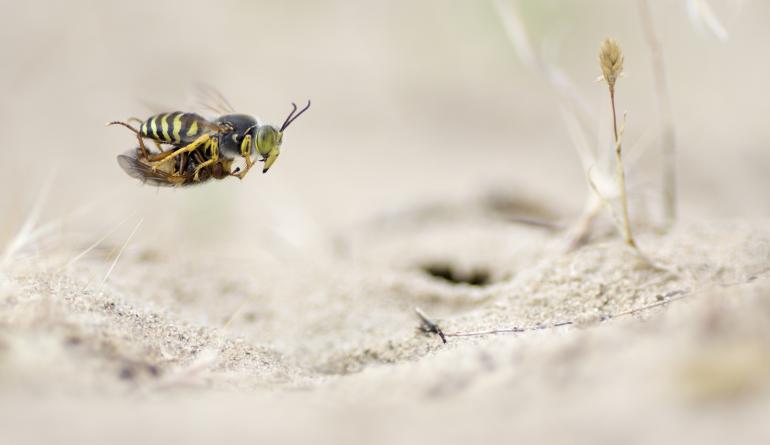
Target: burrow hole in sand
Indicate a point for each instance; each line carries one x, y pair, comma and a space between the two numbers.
447, 272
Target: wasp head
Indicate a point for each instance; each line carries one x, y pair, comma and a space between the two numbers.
268, 142
268, 139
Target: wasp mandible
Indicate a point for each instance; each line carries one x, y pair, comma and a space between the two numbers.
210, 143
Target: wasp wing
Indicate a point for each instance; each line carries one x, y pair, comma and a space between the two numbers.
200, 98
211, 99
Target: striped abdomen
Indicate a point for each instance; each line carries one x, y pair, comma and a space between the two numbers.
174, 128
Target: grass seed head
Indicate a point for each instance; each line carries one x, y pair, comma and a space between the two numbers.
611, 61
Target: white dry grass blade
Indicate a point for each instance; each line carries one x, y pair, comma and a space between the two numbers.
600, 180
595, 199
604, 138
600, 168
96, 243
555, 77
603, 184
577, 113
120, 252
31, 231
633, 152
578, 137
26, 233
574, 107
517, 34
702, 18
604, 198
606, 186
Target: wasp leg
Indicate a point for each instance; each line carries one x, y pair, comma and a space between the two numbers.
142, 147
213, 145
153, 157
161, 155
158, 146
127, 125
182, 163
246, 153
241, 175
198, 157
192, 146
145, 151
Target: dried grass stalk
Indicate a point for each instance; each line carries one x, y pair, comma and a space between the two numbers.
611, 63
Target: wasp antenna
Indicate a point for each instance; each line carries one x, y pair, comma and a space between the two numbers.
288, 118
292, 116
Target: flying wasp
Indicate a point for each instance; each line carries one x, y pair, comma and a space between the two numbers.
203, 145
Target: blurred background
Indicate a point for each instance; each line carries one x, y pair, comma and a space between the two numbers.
414, 102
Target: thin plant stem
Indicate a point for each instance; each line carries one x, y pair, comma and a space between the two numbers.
621, 176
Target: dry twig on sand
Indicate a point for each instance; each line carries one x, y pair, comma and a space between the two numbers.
428, 326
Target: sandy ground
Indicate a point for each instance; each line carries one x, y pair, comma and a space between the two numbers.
328, 347
281, 309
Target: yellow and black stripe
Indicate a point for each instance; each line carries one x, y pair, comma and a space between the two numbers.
174, 128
